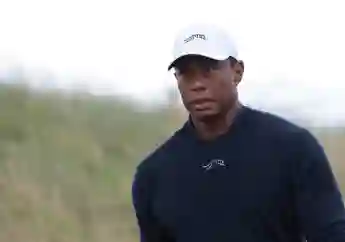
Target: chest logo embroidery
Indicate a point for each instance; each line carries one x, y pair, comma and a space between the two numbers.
213, 163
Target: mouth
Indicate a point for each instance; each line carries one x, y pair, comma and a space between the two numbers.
202, 103
201, 100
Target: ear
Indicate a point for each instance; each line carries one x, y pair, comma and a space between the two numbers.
239, 70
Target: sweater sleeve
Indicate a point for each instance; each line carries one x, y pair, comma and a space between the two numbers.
319, 204
149, 228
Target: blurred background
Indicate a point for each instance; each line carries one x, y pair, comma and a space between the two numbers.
85, 95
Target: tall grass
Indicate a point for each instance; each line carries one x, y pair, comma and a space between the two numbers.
67, 163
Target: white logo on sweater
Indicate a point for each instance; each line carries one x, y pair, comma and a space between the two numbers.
212, 163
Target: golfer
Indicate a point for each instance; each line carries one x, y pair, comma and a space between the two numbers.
232, 173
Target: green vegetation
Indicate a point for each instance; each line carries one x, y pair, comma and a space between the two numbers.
66, 164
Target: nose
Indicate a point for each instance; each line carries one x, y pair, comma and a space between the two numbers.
197, 84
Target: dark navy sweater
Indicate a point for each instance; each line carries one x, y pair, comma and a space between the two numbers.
265, 180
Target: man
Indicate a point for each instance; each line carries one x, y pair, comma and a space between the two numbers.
232, 173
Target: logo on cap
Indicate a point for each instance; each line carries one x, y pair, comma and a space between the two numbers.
195, 36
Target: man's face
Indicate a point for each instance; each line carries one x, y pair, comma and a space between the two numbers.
208, 87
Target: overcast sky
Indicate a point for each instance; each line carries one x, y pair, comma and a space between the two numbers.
293, 49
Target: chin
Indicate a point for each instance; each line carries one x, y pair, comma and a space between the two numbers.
205, 115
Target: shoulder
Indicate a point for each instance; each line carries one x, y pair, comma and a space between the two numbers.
159, 156
287, 133
276, 125
293, 141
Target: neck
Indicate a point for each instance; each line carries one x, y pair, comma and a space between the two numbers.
212, 128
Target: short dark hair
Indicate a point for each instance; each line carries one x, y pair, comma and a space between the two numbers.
234, 61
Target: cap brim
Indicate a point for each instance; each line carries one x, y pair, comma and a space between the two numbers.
214, 57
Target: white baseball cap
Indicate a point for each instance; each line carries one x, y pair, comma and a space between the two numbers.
204, 40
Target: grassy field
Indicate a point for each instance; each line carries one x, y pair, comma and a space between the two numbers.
66, 164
